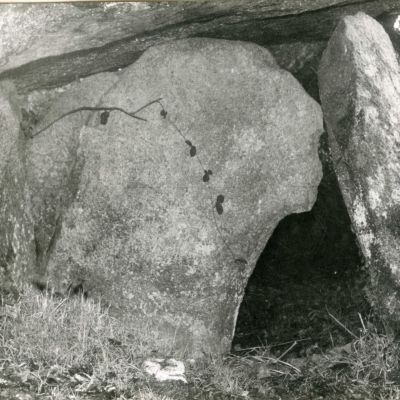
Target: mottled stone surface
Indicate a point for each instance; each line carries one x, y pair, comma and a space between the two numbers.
16, 231
144, 231
54, 160
360, 91
48, 45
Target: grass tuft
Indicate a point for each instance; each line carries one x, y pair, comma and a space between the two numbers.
68, 348
51, 339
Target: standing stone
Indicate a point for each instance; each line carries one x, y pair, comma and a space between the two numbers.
16, 230
359, 81
164, 241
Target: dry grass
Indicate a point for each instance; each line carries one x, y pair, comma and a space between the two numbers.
142, 394
48, 339
67, 348
368, 367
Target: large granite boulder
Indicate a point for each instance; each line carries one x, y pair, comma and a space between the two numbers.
168, 216
359, 81
44, 45
16, 229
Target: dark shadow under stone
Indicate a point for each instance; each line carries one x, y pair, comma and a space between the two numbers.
310, 267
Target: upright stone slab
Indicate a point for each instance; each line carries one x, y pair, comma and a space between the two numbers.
172, 214
359, 80
16, 229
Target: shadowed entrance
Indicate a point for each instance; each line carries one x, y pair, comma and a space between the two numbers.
309, 274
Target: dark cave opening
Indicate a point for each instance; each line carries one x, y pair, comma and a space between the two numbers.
310, 272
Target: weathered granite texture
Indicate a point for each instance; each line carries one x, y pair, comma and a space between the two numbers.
16, 228
147, 230
359, 81
48, 45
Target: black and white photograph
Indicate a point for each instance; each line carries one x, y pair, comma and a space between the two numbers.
200, 200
